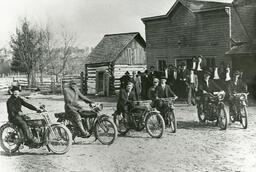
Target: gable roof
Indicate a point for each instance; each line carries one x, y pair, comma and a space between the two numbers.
109, 48
192, 5
246, 48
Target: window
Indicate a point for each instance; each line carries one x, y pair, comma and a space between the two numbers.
210, 62
162, 64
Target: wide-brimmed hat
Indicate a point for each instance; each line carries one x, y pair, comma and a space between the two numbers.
155, 80
127, 73
15, 88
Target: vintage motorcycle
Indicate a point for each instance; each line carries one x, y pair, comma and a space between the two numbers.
213, 109
167, 111
240, 112
94, 122
55, 136
140, 117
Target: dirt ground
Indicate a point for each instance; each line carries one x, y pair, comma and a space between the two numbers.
195, 147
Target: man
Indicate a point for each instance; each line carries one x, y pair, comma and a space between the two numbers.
145, 84
152, 75
182, 81
124, 79
235, 86
172, 76
72, 107
152, 90
15, 115
137, 84
207, 86
164, 90
192, 82
126, 98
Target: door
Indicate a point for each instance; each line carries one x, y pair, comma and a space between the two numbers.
100, 78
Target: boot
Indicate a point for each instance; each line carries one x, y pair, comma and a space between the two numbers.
84, 133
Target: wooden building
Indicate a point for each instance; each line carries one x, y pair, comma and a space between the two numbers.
111, 58
192, 28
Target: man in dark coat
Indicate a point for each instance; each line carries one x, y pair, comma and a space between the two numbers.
207, 86
126, 98
145, 85
72, 107
15, 115
182, 81
235, 86
125, 79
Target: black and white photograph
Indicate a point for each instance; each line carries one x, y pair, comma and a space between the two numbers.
128, 85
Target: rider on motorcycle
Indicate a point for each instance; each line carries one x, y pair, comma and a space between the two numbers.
163, 91
235, 86
73, 108
207, 86
15, 115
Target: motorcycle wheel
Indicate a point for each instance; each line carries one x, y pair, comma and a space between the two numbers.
72, 130
222, 118
10, 140
59, 139
155, 125
201, 114
243, 117
119, 120
171, 121
105, 131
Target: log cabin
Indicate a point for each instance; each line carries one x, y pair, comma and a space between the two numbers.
110, 59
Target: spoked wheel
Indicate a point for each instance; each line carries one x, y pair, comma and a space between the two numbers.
200, 113
59, 139
72, 130
155, 124
243, 117
171, 121
119, 120
223, 119
10, 138
105, 131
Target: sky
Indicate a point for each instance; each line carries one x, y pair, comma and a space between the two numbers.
88, 20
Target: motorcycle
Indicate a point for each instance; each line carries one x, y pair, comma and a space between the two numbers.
140, 117
94, 122
213, 109
56, 137
167, 110
240, 112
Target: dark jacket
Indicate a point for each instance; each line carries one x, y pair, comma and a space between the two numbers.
124, 80
124, 99
71, 97
212, 87
152, 93
164, 93
14, 106
240, 87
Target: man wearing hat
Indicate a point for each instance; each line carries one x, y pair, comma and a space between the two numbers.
15, 115
124, 79
126, 98
164, 90
207, 86
72, 107
235, 86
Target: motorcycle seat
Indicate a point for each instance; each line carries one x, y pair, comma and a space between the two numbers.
60, 115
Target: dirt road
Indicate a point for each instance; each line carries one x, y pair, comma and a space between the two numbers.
194, 147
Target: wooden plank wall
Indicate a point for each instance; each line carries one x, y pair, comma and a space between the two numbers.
184, 33
119, 71
91, 78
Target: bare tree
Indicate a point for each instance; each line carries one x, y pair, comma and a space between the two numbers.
61, 55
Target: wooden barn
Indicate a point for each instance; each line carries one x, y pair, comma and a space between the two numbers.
111, 58
192, 28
